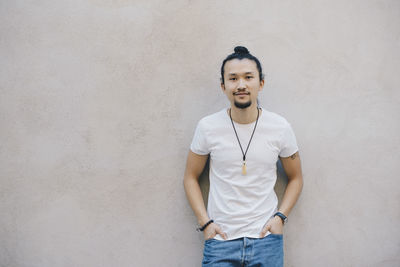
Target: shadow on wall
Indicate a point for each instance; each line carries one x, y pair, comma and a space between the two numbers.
280, 185
204, 181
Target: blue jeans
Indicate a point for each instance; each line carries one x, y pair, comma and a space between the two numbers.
245, 251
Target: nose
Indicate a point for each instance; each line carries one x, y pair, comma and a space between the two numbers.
242, 84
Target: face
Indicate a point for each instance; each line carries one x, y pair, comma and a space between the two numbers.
242, 82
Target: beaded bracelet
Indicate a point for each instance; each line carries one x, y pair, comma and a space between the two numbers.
201, 229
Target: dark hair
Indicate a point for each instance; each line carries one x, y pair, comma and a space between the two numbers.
240, 53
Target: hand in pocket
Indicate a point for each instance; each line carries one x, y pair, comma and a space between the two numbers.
212, 230
274, 226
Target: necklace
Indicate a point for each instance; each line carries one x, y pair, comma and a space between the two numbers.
244, 171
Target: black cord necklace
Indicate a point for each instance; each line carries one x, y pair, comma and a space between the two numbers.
244, 171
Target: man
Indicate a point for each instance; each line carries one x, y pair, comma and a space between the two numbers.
242, 225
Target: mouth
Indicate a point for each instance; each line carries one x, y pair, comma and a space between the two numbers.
241, 93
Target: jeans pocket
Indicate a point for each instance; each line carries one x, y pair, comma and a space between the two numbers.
209, 240
276, 235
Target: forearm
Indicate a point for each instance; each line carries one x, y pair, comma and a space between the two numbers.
292, 193
195, 198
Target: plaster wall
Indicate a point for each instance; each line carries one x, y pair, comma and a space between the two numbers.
99, 102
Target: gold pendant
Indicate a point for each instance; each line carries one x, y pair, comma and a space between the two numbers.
244, 168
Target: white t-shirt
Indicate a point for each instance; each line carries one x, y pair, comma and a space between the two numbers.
242, 204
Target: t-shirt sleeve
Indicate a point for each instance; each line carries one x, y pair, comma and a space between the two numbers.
288, 142
199, 143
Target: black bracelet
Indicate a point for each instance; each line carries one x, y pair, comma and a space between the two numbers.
201, 229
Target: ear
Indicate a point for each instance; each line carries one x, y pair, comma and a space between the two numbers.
223, 87
261, 84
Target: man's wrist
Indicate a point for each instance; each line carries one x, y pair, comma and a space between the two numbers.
203, 227
203, 221
282, 216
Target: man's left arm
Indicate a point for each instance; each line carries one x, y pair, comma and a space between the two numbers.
292, 167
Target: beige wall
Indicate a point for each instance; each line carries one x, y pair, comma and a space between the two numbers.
99, 100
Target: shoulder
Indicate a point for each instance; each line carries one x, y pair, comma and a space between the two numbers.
212, 119
274, 119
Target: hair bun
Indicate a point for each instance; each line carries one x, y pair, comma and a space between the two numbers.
241, 50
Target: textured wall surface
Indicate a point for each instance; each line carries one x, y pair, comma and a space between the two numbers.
100, 98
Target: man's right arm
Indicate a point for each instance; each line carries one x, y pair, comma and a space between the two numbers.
194, 166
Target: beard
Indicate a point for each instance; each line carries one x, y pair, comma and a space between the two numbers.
243, 105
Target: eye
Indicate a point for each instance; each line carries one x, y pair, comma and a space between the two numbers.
232, 79
249, 77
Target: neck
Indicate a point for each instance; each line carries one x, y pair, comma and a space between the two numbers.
244, 116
